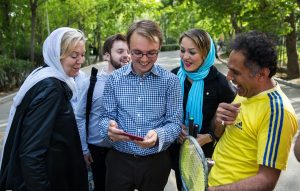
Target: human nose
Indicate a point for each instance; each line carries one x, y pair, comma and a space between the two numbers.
229, 76
126, 54
144, 58
185, 55
81, 60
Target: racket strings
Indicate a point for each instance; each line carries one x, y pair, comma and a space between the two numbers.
193, 173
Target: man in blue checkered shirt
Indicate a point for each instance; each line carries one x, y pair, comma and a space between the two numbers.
145, 100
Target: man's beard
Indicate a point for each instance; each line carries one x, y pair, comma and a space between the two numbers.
115, 64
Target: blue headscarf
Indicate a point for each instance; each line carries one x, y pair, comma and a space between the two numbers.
195, 97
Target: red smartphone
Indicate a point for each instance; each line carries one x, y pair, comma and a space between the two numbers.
133, 137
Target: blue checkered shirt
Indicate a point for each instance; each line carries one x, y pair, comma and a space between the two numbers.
139, 104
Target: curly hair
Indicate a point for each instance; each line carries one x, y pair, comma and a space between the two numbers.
258, 49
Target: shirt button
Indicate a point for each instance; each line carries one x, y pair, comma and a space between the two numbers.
139, 115
139, 130
207, 93
141, 83
139, 99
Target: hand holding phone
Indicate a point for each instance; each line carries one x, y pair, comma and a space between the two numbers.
132, 137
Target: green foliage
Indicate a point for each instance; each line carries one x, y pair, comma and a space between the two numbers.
13, 31
169, 47
13, 72
100, 19
234, 16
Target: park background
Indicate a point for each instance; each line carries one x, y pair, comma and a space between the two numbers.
24, 25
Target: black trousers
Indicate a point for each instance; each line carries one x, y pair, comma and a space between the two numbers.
126, 172
174, 153
98, 166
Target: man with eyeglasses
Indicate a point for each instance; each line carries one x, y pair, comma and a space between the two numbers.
144, 100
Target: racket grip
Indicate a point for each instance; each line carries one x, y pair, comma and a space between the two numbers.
191, 126
195, 130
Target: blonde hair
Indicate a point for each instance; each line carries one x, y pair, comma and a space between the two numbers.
69, 41
146, 28
200, 38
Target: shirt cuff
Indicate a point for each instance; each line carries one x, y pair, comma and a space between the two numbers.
85, 152
160, 138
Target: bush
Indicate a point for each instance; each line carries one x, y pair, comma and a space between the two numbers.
169, 47
13, 72
22, 52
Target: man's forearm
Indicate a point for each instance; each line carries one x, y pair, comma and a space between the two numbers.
244, 185
250, 184
297, 148
264, 181
218, 128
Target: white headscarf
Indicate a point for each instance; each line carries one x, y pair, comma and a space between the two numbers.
51, 54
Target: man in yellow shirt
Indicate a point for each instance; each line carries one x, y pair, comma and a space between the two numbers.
257, 129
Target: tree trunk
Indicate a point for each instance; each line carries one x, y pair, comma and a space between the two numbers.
4, 42
6, 10
39, 35
95, 46
33, 7
234, 22
98, 39
291, 49
99, 53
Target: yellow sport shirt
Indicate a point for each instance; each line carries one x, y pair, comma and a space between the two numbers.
261, 135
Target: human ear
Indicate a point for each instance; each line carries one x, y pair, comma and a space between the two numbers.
106, 57
263, 74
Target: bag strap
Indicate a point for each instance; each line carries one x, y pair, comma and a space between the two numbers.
89, 98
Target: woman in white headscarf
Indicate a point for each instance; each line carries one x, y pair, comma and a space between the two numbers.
42, 148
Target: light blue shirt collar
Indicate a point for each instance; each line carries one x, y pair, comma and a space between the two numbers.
153, 70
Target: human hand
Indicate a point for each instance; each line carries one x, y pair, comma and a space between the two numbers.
183, 134
226, 113
88, 159
149, 140
114, 133
203, 139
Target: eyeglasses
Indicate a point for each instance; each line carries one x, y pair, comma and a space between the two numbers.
140, 54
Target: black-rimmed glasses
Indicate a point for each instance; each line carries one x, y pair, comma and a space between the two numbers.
140, 54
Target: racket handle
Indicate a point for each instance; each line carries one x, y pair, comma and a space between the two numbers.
191, 126
195, 130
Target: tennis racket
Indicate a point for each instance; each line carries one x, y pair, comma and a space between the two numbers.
193, 166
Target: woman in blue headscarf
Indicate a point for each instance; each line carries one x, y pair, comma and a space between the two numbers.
203, 87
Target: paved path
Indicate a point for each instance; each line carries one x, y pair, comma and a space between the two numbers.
289, 180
